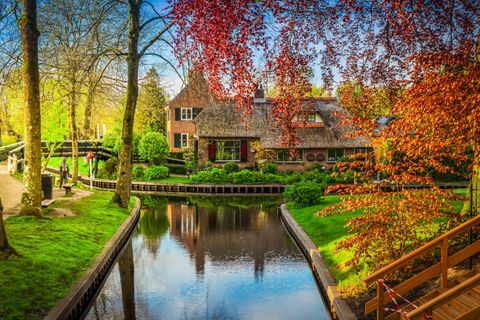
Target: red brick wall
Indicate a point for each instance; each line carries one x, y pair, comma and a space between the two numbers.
194, 95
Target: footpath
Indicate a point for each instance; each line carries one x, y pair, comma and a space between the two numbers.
11, 194
10, 191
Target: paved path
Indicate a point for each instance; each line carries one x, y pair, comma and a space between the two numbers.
10, 191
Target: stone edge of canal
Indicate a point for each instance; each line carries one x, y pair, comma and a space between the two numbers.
77, 301
337, 306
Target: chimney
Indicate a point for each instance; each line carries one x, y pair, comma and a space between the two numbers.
259, 96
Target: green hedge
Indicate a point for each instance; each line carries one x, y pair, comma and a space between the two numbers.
304, 194
156, 172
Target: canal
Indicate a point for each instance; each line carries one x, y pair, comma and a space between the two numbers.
209, 258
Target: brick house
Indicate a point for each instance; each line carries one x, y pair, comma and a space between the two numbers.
222, 136
182, 110
217, 133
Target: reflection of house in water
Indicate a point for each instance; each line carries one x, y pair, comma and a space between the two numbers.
234, 234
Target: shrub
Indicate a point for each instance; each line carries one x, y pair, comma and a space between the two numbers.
138, 171
271, 178
314, 176
291, 178
156, 172
270, 168
111, 166
213, 176
244, 176
153, 146
318, 166
231, 167
304, 194
176, 168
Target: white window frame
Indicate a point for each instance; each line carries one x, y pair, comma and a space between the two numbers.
221, 150
184, 140
186, 114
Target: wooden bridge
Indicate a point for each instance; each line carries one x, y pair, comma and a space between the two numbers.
62, 149
454, 292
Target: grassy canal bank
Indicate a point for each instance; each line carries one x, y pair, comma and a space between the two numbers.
54, 253
325, 232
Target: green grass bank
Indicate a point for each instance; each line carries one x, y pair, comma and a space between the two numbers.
325, 232
54, 253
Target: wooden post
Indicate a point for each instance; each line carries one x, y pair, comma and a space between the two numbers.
444, 261
380, 311
428, 314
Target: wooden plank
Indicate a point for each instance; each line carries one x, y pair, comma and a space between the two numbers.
473, 314
445, 297
464, 254
444, 261
406, 286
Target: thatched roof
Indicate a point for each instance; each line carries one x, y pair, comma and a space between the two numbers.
194, 94
221, 121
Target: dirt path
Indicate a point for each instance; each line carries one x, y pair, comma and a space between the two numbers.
11, 195
10, 191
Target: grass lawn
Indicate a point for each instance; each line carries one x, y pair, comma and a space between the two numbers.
83, 169
54, 254
326, 231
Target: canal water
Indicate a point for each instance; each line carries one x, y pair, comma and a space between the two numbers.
209, 259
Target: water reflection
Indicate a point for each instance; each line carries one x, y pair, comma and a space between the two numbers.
190, 261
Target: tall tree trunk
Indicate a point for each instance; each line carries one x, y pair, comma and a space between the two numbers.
87, 123
124, 182
5, 248
32, 180
72, 118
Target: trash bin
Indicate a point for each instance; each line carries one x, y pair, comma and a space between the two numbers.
47, 186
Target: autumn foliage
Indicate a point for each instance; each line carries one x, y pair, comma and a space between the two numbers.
418, 61
394, 223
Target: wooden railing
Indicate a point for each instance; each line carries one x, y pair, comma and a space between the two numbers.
441, 268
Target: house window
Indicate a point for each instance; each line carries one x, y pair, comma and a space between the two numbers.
335, 154
187, 113
308, 117
227, 150
284, 155
184, 140
311, 117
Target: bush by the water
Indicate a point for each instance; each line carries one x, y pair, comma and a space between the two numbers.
156, 172
244, 176
138, 171
270, 168
213, 176
304, 194
231, 167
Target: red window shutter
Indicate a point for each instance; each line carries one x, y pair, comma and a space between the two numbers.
211, 152
243, 151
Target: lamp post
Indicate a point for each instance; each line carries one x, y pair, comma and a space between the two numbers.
90, 156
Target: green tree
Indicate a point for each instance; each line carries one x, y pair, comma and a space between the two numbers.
152, 101
153, 146
32, 192
135, 53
